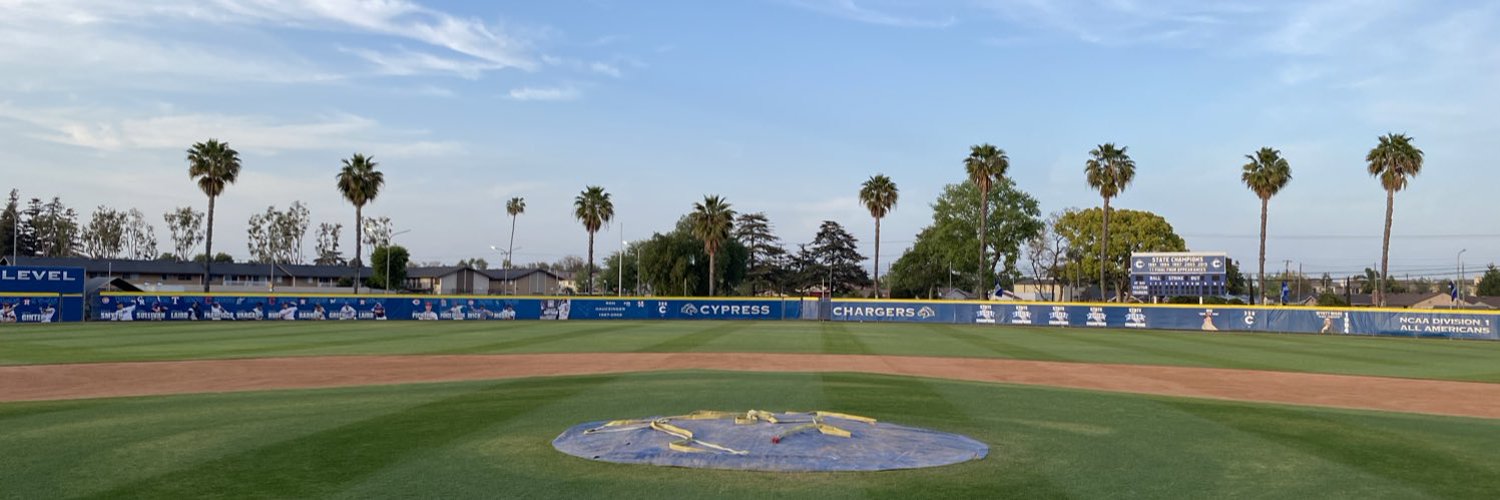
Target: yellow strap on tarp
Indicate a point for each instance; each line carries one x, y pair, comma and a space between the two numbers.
663, 426
845, 416
832, 431
754, 416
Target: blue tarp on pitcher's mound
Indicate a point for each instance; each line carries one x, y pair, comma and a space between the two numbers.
764, 441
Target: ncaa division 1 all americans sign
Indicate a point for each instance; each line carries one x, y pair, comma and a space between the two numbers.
1170, 274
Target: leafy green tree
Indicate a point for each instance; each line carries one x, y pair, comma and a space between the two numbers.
677, 263
712, 219
1135, 231
515, 207
1367, 284
1109, 171
1330, 299
952, 238
1234, 280
1266, 174
879, 195
986, 165
215, 166
10, 220
360, 183
838, 253
52, 228
594, 210
104, 236
389, 262
185, 228
1394, 161
767, 264
219, 258
1489, 284
327, 245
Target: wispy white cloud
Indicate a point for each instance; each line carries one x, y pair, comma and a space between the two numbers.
1123, 22
113, 131
545, 93
854, 11
168, 37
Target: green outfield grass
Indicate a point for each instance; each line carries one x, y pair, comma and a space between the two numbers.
1395, 357
491, 440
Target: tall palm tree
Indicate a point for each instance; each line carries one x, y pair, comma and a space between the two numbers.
593, 208
879, 196
1394, 161
1265, 174
360, 183
515, 207
986, 165
711, 221
214, 165
1109, 171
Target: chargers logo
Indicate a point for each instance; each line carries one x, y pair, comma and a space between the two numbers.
690, 310
926, 312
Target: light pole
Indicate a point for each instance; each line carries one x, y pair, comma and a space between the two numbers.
620, 270
1459, 287
388, 244
507, 255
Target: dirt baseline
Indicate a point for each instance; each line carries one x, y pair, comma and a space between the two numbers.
97, 380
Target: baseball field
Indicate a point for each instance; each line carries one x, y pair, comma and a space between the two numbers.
468, 409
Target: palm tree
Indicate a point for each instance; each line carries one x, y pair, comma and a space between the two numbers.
360, 183
1394, 161
214, 165
1266, 174
516, 206
879, 196
1109, 171
986, 165
593, 208
711, 222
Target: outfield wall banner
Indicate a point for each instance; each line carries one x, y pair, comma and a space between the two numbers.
209, 307
32, 308
41, 294
1437, 324
201, 307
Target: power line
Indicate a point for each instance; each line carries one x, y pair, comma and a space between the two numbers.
1341, 236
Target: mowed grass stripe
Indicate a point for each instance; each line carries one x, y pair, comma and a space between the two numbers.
1397, 357
324, 463
993, 343
838, 339
695, 340
491, 440
572, 332
1444, 471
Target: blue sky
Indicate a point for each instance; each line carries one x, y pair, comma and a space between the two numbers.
782, 106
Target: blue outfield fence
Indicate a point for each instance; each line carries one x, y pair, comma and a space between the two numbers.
235, 307
1341, 321
41, 294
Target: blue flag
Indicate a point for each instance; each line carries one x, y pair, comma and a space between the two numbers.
1452, 290
1286, 292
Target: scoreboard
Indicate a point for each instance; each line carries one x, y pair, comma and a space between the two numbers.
1173, 274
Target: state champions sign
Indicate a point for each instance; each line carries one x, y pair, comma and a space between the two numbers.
1167, 274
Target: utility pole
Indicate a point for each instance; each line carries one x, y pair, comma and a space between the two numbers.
1460, 285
